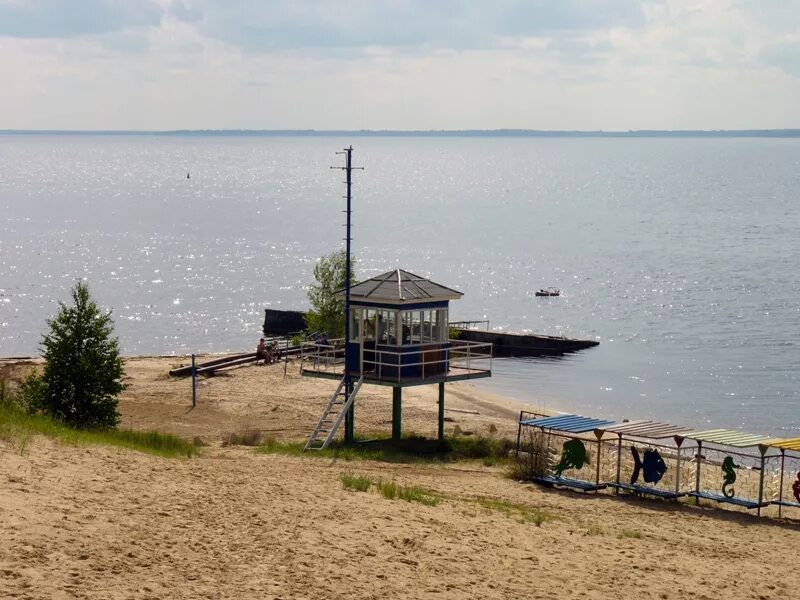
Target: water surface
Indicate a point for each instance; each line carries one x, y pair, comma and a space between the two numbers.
679, 255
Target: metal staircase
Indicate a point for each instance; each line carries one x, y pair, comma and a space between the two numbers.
332, 417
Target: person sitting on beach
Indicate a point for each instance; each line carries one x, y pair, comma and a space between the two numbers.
274, 352
261, 351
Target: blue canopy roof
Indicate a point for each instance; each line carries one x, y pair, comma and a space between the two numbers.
568, 423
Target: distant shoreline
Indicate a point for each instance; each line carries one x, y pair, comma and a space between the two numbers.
462, 133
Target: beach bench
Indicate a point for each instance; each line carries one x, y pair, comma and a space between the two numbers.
640, 489
578, 484
786, 503
737, 501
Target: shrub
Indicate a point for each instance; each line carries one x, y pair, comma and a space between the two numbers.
31, 393
83, 368
533, 459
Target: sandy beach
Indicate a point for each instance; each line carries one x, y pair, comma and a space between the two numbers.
96, 522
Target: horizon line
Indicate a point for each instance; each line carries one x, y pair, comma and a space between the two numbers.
502, 132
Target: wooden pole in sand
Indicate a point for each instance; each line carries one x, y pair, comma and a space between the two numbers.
678, 442
763, 450
397, 413
599, 435
697, 474
619, 461
780, 485
441, 414
194, 382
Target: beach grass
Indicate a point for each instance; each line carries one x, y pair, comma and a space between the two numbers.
595, 530
18, 428
630, 534
388, 489
410, 449
391, 490
358, 483
415, 493
522, 512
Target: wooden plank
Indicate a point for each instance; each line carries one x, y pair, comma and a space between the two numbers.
187, 370
786, 503
640, 489
586, 486
720, 498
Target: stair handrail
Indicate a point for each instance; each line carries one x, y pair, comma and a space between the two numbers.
350, 399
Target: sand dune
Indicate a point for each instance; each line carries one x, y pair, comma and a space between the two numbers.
104, 523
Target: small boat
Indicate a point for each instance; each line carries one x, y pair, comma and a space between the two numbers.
549, 292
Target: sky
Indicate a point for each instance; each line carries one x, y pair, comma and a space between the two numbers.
399, 64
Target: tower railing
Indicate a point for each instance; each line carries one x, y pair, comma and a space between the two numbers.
432, 361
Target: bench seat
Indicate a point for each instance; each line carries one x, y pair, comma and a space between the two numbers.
786, 503
578, 484
640, 489
720, 498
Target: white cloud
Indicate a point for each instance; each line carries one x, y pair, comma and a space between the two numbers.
592, 64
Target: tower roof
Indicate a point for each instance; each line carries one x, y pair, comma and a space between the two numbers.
401, 287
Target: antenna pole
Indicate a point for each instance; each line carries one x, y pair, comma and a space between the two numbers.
349, 419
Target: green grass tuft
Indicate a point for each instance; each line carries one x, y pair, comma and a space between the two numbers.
19, 428
417, 494
412, 449
272, 446
522, 512
630, 533
359, 483
388, 489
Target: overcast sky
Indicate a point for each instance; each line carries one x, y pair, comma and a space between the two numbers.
399, 64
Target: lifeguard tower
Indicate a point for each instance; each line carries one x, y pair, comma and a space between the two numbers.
399, 337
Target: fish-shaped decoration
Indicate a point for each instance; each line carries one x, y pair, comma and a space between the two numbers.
574, 456
653, 466
796, 488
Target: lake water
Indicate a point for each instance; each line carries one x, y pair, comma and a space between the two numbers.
679, 255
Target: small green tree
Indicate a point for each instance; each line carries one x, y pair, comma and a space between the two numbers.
327, 310
83, 368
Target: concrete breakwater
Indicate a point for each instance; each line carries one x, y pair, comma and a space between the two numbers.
282, 322
515, 344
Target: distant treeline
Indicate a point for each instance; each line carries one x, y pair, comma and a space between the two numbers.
467, 133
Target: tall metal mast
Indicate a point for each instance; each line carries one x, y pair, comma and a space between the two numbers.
349, 421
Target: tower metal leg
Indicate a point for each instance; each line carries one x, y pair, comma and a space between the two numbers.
397, 413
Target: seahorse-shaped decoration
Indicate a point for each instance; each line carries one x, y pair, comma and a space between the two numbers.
573, 456
729, 476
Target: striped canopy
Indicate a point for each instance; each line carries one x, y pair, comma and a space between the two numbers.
652, 430
728, 437
568, 423
787, 444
